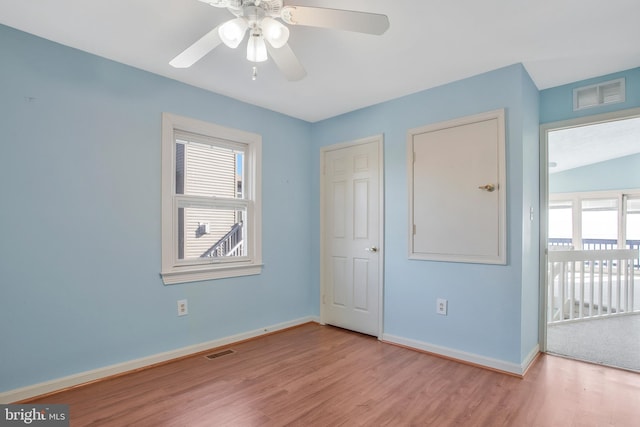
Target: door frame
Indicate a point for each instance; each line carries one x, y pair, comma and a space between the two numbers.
379, 140
544, 197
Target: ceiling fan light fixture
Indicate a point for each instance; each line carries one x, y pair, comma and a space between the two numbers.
232, 32
256, 48
268, 36
274, 32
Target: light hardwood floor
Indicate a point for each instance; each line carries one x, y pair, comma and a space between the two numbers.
316, 375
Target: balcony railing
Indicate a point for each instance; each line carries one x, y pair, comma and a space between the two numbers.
591, 283
231, 244
595, 244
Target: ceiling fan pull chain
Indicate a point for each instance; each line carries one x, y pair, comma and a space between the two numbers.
255, 73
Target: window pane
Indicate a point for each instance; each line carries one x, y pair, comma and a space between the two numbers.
208, 170
204, 233
560, 222
240, 175
633, 219
179, 168
600, 224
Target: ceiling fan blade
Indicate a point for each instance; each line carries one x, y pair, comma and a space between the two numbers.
361, 22
196, 51
287, 62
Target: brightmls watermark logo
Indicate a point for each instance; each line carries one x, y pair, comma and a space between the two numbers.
34, 415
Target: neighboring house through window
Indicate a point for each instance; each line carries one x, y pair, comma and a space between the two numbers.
211, 211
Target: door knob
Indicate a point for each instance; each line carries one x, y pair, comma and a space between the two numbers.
488, 187
371, 249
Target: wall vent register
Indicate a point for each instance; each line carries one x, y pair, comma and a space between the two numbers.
609, 92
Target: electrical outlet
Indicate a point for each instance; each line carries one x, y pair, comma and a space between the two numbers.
441, 306
183, 309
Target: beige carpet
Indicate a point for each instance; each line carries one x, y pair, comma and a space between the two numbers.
611, 341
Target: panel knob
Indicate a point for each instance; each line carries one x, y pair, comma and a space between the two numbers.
489, 187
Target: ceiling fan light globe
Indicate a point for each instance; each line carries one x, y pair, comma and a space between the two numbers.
232, 32
256, 49
276, 34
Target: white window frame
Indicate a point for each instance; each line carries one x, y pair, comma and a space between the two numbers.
181, 271
578, 197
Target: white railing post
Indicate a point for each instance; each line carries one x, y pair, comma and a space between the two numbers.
632, 275
609, 289
600, 290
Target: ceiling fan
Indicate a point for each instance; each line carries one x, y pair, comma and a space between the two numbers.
260, 19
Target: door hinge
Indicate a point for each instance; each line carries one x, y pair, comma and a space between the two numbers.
414, 229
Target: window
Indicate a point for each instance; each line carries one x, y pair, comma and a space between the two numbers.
211, 211
595, 220
633, 218
600, 223
632, 222
561, 222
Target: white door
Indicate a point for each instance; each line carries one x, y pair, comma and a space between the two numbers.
351, 219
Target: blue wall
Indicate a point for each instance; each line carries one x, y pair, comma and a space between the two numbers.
488, 315
80, 216
530, 219
622, 173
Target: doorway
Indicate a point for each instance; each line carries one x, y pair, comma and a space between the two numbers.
351, 229
591, 237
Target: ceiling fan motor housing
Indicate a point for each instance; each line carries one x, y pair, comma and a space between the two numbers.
253, 15
237, 7
271, 7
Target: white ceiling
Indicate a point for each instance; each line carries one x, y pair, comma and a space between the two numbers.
584, 145
429, 43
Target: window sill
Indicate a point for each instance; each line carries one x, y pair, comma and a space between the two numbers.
185, 275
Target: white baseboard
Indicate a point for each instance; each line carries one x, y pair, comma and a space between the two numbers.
107, 371
475, 359
530, 358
